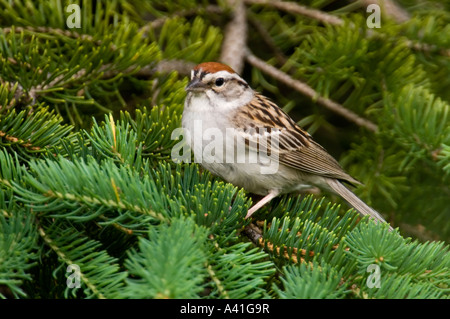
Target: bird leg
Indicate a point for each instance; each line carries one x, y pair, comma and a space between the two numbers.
272, 194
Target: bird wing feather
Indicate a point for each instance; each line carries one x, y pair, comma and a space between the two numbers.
295, 149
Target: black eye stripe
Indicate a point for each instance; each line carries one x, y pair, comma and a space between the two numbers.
242, 83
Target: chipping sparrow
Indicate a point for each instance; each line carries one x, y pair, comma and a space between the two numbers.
219, 101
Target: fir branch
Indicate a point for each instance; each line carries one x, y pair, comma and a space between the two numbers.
189, 41
255, 235
241, 270
217, 281
306, 90
59, 82
384, 250
118, 142
98, 270
107, 70
311, 281
419, 120
10, 168
149, 131
298, 241
214, 204
10, 94
86, 191
390, 9
67, 261
40, 30
170, 264
398, 286
18, 247
36, 132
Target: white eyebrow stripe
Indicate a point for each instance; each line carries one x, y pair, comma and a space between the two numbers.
224, 74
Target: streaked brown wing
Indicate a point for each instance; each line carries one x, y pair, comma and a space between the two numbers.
296, 148
315, 159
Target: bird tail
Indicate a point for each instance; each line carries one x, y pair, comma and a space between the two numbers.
354, 201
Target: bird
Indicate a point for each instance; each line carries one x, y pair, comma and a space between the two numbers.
243, 137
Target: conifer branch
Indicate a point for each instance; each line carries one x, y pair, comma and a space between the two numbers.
391, 9
217, 281
254, 233
306, 90
67, 261
90, 200
60, 32
18, 141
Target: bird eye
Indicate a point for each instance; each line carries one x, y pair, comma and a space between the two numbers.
220, 82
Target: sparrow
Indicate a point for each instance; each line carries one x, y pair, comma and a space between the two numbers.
246, 139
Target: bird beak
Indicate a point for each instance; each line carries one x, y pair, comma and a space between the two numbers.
195, 86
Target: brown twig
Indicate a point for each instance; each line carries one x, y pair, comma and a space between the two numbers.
61, 32
253, 233
181, 66
308, 91
293, 7
163, 66
235, 39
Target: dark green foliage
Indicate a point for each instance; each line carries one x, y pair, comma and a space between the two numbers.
239, 271
88, 178
100, 275
18, 247
401, 274
311, 281
170, 263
